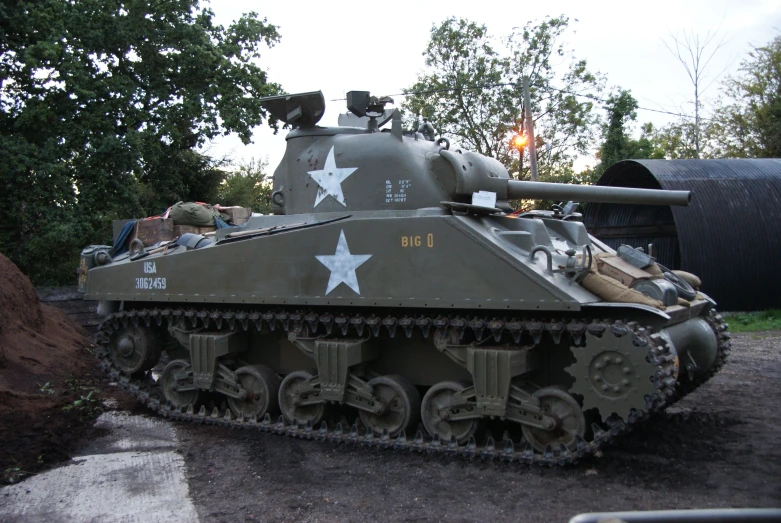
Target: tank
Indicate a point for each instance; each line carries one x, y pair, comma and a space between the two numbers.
395, 299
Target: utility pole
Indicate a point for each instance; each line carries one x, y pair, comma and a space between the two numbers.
530, 127
520, 161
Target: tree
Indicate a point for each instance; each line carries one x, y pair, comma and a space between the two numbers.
247, 185
622, 110
695, 53
471, 92
748, 124
678, 140
104, 105
617, 141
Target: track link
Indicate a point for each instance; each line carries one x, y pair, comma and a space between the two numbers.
148, 392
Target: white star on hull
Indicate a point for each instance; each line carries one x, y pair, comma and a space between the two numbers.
330, 179
342, 265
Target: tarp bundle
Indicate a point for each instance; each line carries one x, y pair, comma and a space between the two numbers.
192, 214
610, 289
120, 244
614, 291
197, 215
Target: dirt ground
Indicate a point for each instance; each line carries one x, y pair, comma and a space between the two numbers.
44, 369
719, 447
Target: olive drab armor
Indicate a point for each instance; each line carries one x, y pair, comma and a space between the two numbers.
394, 278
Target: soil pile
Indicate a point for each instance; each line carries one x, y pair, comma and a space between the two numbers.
44, 369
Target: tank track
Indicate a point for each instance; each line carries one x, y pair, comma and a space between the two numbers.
147, 391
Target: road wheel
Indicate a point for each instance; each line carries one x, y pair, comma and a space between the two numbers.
175, 375
435, 411
290, 398
262, 387
402, 405
570, 421
135, 349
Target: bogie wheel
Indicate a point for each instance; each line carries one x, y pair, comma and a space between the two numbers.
136, 349
402, 405
262, 387
570, 421
435, 413
175, 374
290, 396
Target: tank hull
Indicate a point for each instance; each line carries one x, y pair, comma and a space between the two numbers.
435, 261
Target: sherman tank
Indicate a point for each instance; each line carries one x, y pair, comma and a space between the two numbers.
396, 299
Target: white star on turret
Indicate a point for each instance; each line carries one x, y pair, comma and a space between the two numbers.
330, 179
342, 265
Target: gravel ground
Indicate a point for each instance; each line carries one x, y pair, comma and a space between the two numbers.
719, 447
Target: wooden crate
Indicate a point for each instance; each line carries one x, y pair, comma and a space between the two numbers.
239, 215
620, 270
154, 230
192, 229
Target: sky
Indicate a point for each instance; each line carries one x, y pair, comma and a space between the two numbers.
337, 46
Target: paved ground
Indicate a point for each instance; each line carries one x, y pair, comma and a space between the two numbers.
719, 447
133, 474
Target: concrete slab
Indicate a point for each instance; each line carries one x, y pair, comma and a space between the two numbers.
133, 474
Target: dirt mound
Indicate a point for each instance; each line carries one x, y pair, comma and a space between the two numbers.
18, 301
45, 370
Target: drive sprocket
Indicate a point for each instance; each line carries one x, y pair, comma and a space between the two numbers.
623, 370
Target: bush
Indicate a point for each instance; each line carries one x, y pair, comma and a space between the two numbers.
247, 185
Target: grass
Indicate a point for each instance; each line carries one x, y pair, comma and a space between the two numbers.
755, 321
88, 405
46, 387
13, 474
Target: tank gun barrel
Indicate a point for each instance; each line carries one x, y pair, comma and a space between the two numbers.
517, 190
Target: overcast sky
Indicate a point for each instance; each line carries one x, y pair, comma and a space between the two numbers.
338, 46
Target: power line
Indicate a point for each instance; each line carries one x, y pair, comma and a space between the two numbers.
661, 111
444, 90
506, 84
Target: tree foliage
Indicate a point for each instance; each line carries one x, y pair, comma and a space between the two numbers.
471, 91
104, 105
621, 111
748, 124
617, 141
247, 185
678, 140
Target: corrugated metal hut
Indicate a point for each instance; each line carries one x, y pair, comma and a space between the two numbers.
730, 235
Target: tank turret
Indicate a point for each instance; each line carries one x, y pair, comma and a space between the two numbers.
365, 168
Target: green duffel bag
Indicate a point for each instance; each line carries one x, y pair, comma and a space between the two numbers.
195, 214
